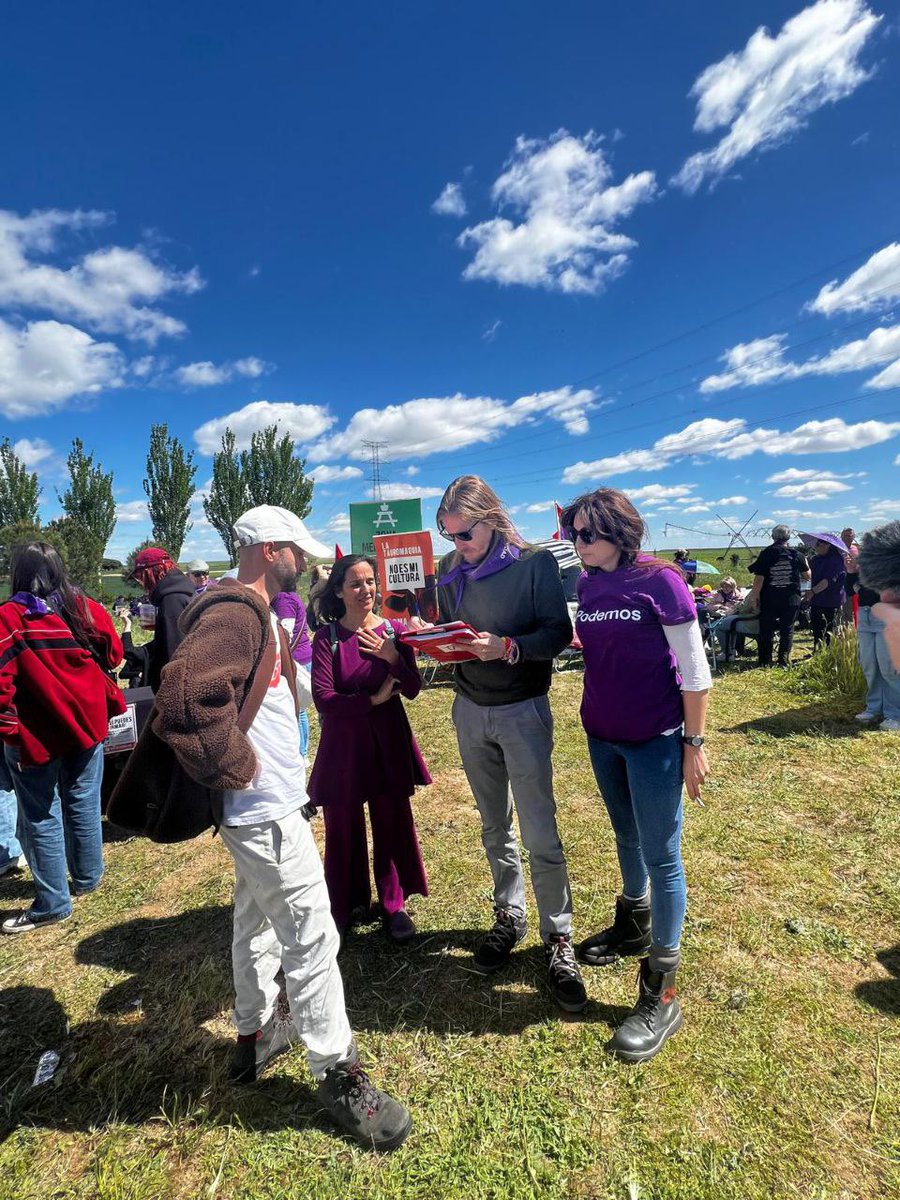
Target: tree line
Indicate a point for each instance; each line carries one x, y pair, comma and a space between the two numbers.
269, 472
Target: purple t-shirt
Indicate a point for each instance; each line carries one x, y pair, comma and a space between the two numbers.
829, 567
632, 689
290, 609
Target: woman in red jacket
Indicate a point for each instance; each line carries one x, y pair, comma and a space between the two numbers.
55, 700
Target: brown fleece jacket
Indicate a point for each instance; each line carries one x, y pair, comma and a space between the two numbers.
203, 686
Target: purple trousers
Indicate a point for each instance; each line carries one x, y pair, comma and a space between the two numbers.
396, 858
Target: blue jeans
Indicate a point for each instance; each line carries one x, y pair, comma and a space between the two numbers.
60, 807
883, 694
9, 816
303, 722
641, 787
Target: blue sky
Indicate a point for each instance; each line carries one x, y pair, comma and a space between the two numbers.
650, 246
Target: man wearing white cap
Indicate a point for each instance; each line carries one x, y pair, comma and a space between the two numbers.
198, 574
228, 708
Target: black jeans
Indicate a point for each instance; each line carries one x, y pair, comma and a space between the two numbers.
782, 618
824, 623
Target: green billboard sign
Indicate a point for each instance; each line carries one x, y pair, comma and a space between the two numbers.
382, 516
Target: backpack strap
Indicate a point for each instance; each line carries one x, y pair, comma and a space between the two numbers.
333, 637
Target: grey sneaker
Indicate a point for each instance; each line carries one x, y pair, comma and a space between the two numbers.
254, 1052
354, 1103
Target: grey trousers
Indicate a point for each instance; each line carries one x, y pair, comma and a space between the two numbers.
507, 747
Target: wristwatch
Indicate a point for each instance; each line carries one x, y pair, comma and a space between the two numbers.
696, 740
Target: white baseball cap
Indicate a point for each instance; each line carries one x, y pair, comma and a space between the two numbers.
269, 523
198, 566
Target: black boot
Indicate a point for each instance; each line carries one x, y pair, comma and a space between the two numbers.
628, 934
655, 1017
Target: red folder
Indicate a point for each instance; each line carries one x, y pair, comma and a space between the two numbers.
445, 643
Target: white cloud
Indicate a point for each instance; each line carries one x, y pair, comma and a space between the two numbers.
411, 471
812, 489
565, 241
490, 334
207, 374
327, 474
451, 202
728, 501
408, 491
697, 508
132, 512
794, 475
654, 493
749, 364
540, 506
46, 364
732, 440
304, 423
421, 427
765, 92
112, 289
33, 452
876, 284
339, 523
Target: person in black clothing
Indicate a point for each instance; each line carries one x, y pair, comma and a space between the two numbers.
776, 588
170, 592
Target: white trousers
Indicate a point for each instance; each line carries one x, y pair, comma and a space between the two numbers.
282, 918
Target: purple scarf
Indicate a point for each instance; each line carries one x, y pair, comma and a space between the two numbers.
33, 603
501, 555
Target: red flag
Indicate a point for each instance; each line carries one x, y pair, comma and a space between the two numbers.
338, 552
559, 512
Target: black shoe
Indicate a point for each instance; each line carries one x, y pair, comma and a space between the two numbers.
565, 978
498, 944
371, 1116
655, 1017
628, 934
399, 926
253, 1054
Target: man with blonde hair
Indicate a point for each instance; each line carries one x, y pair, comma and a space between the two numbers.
513, 596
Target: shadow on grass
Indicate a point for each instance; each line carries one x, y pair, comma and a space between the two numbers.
147, 1055
884, 993
812, 718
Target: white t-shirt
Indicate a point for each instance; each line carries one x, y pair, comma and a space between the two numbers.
279, 785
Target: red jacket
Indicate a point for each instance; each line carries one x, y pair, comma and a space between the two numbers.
53, 695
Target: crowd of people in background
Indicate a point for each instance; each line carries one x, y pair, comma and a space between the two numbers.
236, 664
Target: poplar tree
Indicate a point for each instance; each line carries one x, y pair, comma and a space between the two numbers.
274, 475
90, 515
227, 497
19, 489
169, 486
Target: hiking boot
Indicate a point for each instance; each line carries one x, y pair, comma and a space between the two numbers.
499, 942
565, 978
399, 926
255, 1051
354, 1103
655, 1017
26, 922
628, 934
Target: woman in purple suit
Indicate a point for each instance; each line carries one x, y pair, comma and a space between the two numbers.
367, 753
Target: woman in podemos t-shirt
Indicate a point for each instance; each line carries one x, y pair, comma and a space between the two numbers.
644, 707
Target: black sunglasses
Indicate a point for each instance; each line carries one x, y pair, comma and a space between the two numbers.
588, 536
464, 536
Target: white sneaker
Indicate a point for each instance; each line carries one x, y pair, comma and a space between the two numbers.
892, 725
15, 866
866, 718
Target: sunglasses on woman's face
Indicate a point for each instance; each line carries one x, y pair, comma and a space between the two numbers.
465, 535
587, 536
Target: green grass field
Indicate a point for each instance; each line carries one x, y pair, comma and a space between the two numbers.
784, 1081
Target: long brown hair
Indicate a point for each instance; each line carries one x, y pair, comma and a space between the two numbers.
470, 498
611, 515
